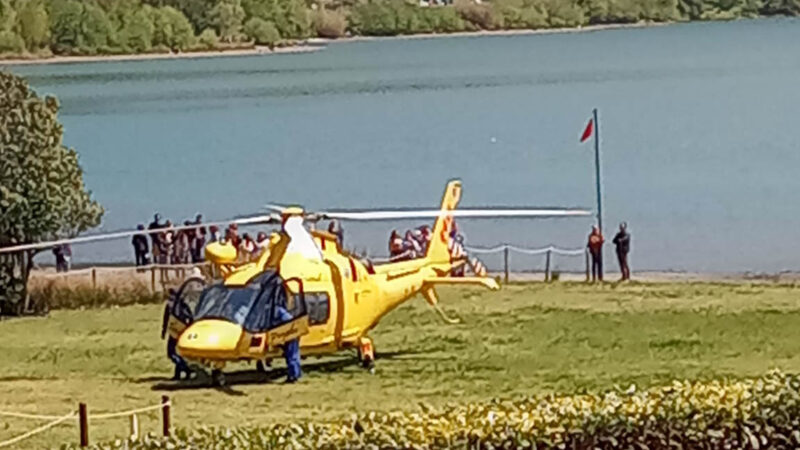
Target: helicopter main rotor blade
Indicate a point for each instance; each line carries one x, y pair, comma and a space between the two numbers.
262, 219
470, 213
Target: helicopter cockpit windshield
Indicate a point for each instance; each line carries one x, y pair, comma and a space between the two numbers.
250, 306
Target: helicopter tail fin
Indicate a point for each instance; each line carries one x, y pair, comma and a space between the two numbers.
439, 247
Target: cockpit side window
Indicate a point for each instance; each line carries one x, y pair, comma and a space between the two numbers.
319, 307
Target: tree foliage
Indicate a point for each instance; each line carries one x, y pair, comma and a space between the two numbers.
119, 26
262, 32
171, 29
42, 195
226, 17
33, 24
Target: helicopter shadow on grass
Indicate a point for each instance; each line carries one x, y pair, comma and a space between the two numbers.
247, 377
274, 376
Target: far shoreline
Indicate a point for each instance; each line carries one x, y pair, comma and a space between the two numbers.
313, 45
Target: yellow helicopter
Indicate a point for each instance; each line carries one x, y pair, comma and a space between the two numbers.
334, 298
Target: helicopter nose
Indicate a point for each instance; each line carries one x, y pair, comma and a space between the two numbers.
209, 339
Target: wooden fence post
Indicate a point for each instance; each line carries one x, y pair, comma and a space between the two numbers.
153, 278
94, 278
165, 414
134, 427
83, 417
505, 262
547, 276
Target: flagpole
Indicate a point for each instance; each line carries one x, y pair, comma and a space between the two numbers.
597, 170
598, 180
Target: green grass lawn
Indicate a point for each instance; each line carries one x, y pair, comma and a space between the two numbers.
524, 339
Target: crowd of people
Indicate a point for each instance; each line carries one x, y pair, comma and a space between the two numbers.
168, 245
164, 243
413, 244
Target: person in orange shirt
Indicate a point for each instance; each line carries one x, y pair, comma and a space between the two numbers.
595, 246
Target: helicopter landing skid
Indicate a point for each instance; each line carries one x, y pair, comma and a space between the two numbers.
217, 378
366, 353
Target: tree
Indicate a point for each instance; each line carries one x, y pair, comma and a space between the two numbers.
8, 15
65, 25
10, 42
171, 29
208, 39
298, 23
262, 32
33, 25
329, 24
97, 31
227, 17
42, 195
137, 29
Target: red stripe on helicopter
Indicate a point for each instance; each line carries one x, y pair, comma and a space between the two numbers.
353, 273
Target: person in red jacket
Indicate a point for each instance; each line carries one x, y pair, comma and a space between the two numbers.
595, 246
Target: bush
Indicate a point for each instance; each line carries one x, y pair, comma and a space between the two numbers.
208, 39
11, 43
755, 413
137, 30
519, 14
329, 24
479, 15
262, 32
565, 14
227, 17
171, 29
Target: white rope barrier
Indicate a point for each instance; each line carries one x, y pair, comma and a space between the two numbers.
41, 429
128, 413
100, 270
499, 248
528, 251
28, 416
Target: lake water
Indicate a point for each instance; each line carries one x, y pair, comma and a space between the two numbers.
699, 132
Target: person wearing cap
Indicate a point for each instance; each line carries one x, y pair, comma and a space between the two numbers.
213, 232
622, 242
595, 246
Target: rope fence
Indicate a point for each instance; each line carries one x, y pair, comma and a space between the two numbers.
36, 431
160, 274
548, 252
83, 417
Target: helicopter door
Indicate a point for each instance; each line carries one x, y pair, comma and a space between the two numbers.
179, 313
289, 314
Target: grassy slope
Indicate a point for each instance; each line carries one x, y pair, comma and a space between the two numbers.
524, 339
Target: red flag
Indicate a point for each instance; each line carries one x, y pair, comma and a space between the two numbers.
587, 133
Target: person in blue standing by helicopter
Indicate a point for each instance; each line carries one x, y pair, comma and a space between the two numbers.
182, 313
291, 349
